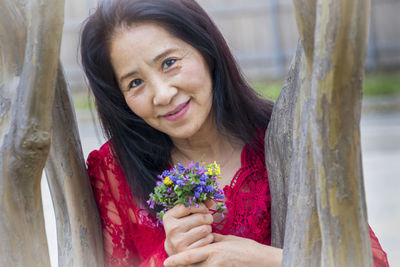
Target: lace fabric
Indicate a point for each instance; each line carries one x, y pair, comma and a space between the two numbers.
132, 236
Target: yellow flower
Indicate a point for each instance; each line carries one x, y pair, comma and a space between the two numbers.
213, 169
167, 181
217, 169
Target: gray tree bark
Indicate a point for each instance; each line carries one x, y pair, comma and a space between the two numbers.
313, 151
26, 124
29, 52
79, 235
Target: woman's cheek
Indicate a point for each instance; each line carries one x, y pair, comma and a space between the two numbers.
138, 105
196, 75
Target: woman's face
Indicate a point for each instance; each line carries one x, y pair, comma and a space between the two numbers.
164, 80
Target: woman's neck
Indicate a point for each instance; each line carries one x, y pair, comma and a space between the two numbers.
207, 145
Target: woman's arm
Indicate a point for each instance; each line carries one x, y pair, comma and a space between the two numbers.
118, 250
247, 252
379, 256
130, 239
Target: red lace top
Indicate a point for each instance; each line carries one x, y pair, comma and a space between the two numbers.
132, 236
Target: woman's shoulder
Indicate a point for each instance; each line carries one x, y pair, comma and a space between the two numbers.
98, 154
102, 161
256, 148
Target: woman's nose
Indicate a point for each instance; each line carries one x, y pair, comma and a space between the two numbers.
163, 94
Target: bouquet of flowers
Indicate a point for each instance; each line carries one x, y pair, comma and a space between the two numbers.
190, 186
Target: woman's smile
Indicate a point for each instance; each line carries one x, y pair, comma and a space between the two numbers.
178, 112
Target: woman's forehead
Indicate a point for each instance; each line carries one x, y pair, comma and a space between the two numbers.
146, 38
143, 43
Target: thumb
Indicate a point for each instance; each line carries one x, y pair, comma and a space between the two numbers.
209, 203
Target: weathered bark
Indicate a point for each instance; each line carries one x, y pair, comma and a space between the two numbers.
12, 51
79, 233
25, 146
313, 149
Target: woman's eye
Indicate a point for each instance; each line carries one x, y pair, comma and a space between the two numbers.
135, 83
168, 63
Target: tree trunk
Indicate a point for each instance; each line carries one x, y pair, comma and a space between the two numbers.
79, 235
26, 139
313, 149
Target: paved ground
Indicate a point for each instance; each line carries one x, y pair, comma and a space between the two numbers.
381, 162
380, 132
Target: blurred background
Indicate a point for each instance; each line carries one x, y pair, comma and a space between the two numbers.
263, 36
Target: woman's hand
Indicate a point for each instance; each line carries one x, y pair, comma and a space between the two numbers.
228, 251
187, 228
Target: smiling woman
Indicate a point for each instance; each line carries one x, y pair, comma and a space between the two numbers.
168, 91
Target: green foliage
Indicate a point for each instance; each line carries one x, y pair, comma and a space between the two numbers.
382, 84
82, 100
375, 84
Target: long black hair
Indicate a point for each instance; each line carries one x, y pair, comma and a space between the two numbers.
142, 151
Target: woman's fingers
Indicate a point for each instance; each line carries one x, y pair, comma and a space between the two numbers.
219, 237
198, 236
185, 224
189, 230
195, 220
180, 210
187, 257
202, 242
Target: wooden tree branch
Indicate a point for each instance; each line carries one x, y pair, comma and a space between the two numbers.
313, 143
12, 52
25, 147
294, 218
337, 82
79, 234
305, 18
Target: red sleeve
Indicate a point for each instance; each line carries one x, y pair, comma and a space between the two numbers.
379, 256
157, 259
118, 250
131, 236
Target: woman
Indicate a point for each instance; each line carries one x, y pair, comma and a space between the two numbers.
168, 91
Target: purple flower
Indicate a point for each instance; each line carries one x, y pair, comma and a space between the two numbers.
180, 183
208, 189
200, 170
218, 196
173, 179
181, 168
203, 179
165, 173
151, 203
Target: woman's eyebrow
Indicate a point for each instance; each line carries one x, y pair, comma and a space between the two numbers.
164, 54
129, 74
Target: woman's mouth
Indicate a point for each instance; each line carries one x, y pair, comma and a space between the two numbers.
178, 112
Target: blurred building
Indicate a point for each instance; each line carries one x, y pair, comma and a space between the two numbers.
261, 33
